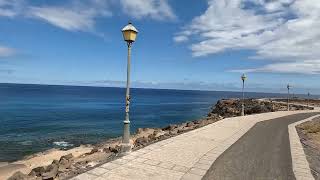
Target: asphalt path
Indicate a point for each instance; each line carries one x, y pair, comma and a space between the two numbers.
263, 153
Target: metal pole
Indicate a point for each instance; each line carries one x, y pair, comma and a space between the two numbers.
242, 111
308, 99
126, 146
288, 99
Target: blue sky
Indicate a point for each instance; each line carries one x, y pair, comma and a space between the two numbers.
189, 44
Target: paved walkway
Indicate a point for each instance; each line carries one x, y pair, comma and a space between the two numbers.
187, 156
262, 153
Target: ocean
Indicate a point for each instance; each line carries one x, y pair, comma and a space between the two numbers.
35, 118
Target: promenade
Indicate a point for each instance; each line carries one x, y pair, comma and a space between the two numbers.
187, 156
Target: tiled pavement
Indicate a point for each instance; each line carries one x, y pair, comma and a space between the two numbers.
186, 157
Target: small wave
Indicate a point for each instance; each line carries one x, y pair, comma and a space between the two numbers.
26, 143
62, 144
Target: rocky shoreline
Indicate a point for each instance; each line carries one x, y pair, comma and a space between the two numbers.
69, 165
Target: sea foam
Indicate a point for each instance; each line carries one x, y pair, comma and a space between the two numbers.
62, 144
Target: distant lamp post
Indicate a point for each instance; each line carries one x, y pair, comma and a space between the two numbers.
243, 78
129, 35
288, 105
308, 99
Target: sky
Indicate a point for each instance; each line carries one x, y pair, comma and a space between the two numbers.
189, 44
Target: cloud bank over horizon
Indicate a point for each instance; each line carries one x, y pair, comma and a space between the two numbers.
284, 32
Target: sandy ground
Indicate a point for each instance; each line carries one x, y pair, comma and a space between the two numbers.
40, 159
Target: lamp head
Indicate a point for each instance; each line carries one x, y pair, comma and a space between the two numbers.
243, 77
129, 33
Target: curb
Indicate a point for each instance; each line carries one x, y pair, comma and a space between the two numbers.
300, 165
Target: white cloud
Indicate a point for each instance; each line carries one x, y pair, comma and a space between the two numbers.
180, 38
76, 17
303, 67
10, 8
6, 52
155, 9
286, 31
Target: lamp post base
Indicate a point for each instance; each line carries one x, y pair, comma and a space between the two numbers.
125, 149
242, 110
126, 145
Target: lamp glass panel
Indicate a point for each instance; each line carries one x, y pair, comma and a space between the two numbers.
129, 35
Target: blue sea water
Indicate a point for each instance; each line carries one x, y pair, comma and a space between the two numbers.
35, 118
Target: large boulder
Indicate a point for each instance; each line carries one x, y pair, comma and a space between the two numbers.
38, 171
20, 176
170, 127
64, 164
190, 124
141, 141
67, 157
157, 133
115, 149
51, 170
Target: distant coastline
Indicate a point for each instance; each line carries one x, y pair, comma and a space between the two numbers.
174, 89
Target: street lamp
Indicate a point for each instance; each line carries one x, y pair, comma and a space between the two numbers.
129, 33
308, 99
288, 106
243, 78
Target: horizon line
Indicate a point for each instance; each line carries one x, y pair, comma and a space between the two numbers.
101, 86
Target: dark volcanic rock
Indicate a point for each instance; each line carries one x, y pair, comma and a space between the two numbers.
170, 127
38, 171
142, 141
19, 176
190, 124
232, 107
152, 137
64, 164
67, 157
94, 150
114, 149
51, 170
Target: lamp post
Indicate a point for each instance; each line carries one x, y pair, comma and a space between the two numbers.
308, 99
243, 78
288, 106
129, 33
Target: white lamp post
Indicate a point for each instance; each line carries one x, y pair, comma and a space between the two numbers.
129, 33
243, 78
288, 106
308, 99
